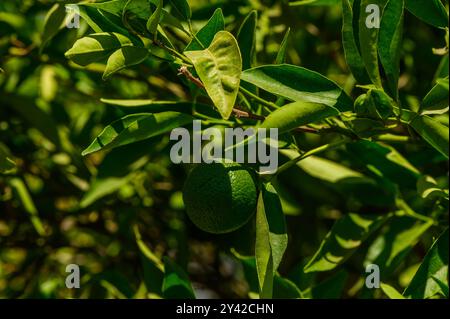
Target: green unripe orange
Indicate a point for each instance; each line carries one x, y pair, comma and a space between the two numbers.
220, 197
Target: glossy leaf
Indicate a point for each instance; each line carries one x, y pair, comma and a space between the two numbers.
298, 84
182, 9
431, 11
391, 247
152, 106
391, 292
435, 264
219, 67
206, 34
351, 49
100, 22
387, 160
136, 127
96, 47
246, 39
155, 18
436, 101
123, 58
347, 234
433, 132
271, 238
281, 54
390, 41
176, 284
53, 23
368, 39
297, 114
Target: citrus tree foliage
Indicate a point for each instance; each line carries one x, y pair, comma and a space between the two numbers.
86, 177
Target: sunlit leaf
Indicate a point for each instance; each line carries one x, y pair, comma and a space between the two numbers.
136, 127
219, 67
123, 58
390, 40
271, 238
434, 266
391, 292
433, 132
430, 11
298, 84
297, 114
205, 35
347, 234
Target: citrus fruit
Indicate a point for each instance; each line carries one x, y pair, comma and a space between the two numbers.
220, 197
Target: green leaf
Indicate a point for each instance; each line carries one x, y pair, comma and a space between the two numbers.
435, 264
297, 114
219, 67
388, 162
102, 21
442, 285
246, 39
206, 34
136, 127
298, 84
368, 39
347, 234
281, 54
351, 50
114, 6
436, 101
390, 41
391, 292
53, 22
282, 287
432, 131
350, 184
155, 18
390, 248
25, 199
431, 11
96, 47
182, 8
123, 58
176, 283
271, 238
152, 106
